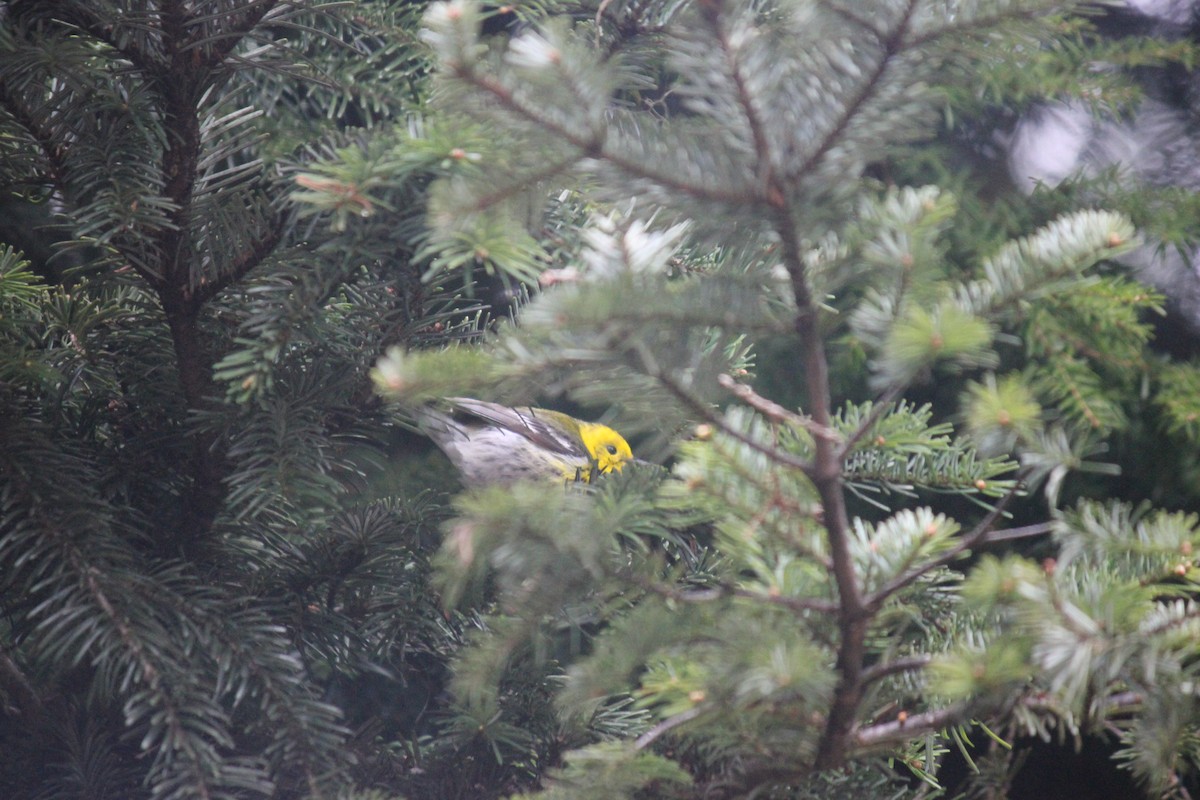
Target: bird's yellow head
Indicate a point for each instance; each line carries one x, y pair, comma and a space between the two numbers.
605, 446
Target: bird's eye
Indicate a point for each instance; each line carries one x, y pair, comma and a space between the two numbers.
611, 448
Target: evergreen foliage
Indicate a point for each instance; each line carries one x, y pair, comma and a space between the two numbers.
811, 616
185, 580
227, 569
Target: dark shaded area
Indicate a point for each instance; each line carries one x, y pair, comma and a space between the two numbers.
1059, 772
34, 229
1046, 770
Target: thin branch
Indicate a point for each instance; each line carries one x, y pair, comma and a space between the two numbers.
895, 666
1012, 534
253, 14
881, 405
964, 26
827, 477
262, 247
806, 604
53, 151
976, 536
1123, 701
1170, 624
773, 411
707, 415
102, 30
181, 87
827, 468
725, 590
648, 738
864, 22
911, 726
504, 192
891, 45
592, 146
908, 727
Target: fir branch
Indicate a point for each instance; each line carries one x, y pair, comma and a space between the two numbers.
880, 406
885, 669
1012, 534
594, 146
713, 13
964, 26
706, 413
670, 723
972, 539
504, 193
161, 698
258, 250
1171, 623
293, 718
102, 30
910, 726
252, 13
52, 150
180, 89
864, 22
826, 470
891, 44
800, 605
772, 410
826, 475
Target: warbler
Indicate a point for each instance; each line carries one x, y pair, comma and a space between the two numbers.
494, 444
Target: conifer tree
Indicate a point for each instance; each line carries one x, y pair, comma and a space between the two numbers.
192, 567
807, 598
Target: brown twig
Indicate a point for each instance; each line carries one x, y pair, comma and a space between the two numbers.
910, 726
895, 666
593, 146
648, 738
707, 415
772, 410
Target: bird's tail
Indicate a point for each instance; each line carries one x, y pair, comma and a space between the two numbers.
439, 425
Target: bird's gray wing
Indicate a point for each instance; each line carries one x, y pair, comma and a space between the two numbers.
532, 423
